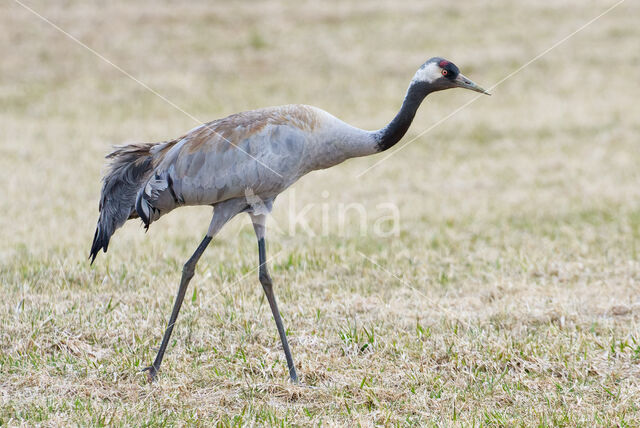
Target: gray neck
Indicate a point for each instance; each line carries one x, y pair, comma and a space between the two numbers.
345, 141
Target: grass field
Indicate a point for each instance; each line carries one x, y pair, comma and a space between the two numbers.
509, 296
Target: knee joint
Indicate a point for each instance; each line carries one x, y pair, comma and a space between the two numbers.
188, 269
265, 278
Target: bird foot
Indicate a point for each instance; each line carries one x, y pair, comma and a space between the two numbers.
151, 373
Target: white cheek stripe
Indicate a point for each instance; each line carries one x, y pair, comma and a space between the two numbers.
428, 74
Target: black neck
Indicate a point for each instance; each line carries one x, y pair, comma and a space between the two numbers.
395, 130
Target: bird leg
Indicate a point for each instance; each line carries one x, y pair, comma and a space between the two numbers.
187, 273
267, 286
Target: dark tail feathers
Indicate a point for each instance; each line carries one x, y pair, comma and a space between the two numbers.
129, 167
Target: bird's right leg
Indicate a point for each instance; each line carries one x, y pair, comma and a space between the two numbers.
267, 286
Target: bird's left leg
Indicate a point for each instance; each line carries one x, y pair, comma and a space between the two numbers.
187, 273
265, 279
221, 215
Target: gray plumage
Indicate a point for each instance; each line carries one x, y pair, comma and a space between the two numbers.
262, 151
241, 164
129, 167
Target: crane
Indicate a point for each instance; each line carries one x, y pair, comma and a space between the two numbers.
233, 162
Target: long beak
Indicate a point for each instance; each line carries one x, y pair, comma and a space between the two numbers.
464, 82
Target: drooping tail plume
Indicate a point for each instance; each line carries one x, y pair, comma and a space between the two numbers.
129, 167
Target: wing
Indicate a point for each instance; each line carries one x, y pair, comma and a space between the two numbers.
261, 150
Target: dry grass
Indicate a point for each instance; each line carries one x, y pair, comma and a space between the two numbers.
509, 298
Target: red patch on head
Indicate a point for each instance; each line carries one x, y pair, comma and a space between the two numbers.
443, 63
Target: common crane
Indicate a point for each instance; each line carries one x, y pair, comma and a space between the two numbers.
258, 153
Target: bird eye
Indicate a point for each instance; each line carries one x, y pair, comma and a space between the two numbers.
444, 72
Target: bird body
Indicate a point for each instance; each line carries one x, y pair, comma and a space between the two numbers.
264, 150
241, 163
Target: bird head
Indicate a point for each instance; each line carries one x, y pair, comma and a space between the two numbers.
438, 74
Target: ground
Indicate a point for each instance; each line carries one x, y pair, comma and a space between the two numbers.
508, 295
